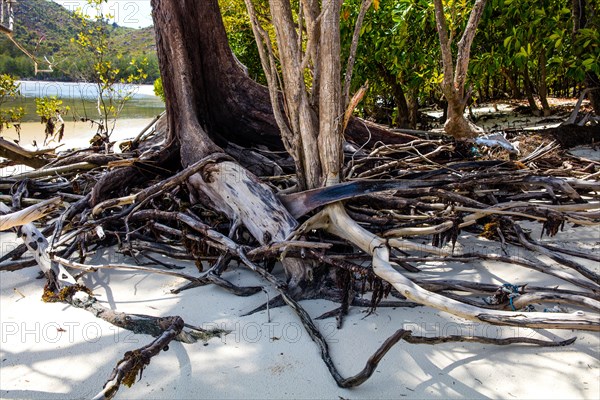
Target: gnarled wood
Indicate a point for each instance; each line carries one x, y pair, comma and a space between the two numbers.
336, 220
20, 155
203, 85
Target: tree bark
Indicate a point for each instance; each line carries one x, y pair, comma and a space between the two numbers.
399, 97
514, 88
206, 100
211, 102
216, 85
331, 100
543, 87
413, 108
453, 85
301, 118
14, 152
535, 110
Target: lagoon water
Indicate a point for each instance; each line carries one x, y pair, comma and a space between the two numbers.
81, 99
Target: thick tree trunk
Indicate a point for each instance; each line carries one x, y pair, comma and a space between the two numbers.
226, 103
206, 100
457, 124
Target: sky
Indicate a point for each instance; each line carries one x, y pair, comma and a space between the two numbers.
129, 13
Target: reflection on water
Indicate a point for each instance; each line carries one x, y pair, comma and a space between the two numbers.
82, 98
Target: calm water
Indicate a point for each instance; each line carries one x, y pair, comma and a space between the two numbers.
81, 98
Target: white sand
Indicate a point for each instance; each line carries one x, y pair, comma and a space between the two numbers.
278, 360
77, 134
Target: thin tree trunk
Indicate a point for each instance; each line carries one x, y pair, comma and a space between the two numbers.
331, 99
543, 88
301, 118
453, 85
578, 13
413, 108
399, 97
529, 93
580, 9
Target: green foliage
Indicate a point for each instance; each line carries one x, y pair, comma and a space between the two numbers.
158, 89
9, 88
114, 79
241, 38
51, 110
517, 37
585, 55
398, 52
48, 107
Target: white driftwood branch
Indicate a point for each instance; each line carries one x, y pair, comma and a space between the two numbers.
38, 245
26, 215
341, 225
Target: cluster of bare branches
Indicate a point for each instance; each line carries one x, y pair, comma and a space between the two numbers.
399, 207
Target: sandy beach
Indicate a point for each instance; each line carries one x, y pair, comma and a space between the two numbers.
77, 134
53, 351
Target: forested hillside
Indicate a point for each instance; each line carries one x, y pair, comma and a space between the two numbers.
528, 51
45, 29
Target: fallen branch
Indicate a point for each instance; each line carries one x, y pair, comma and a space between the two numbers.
135, 361
56, 171
18, 154
27, 215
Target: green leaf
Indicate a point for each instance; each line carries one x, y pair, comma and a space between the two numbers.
558, 43
587, 62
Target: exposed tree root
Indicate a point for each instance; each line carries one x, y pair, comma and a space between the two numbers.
336, 221
339, 252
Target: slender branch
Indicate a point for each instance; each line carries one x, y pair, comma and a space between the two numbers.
464, 47
364, 7
135, 361
445, 43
